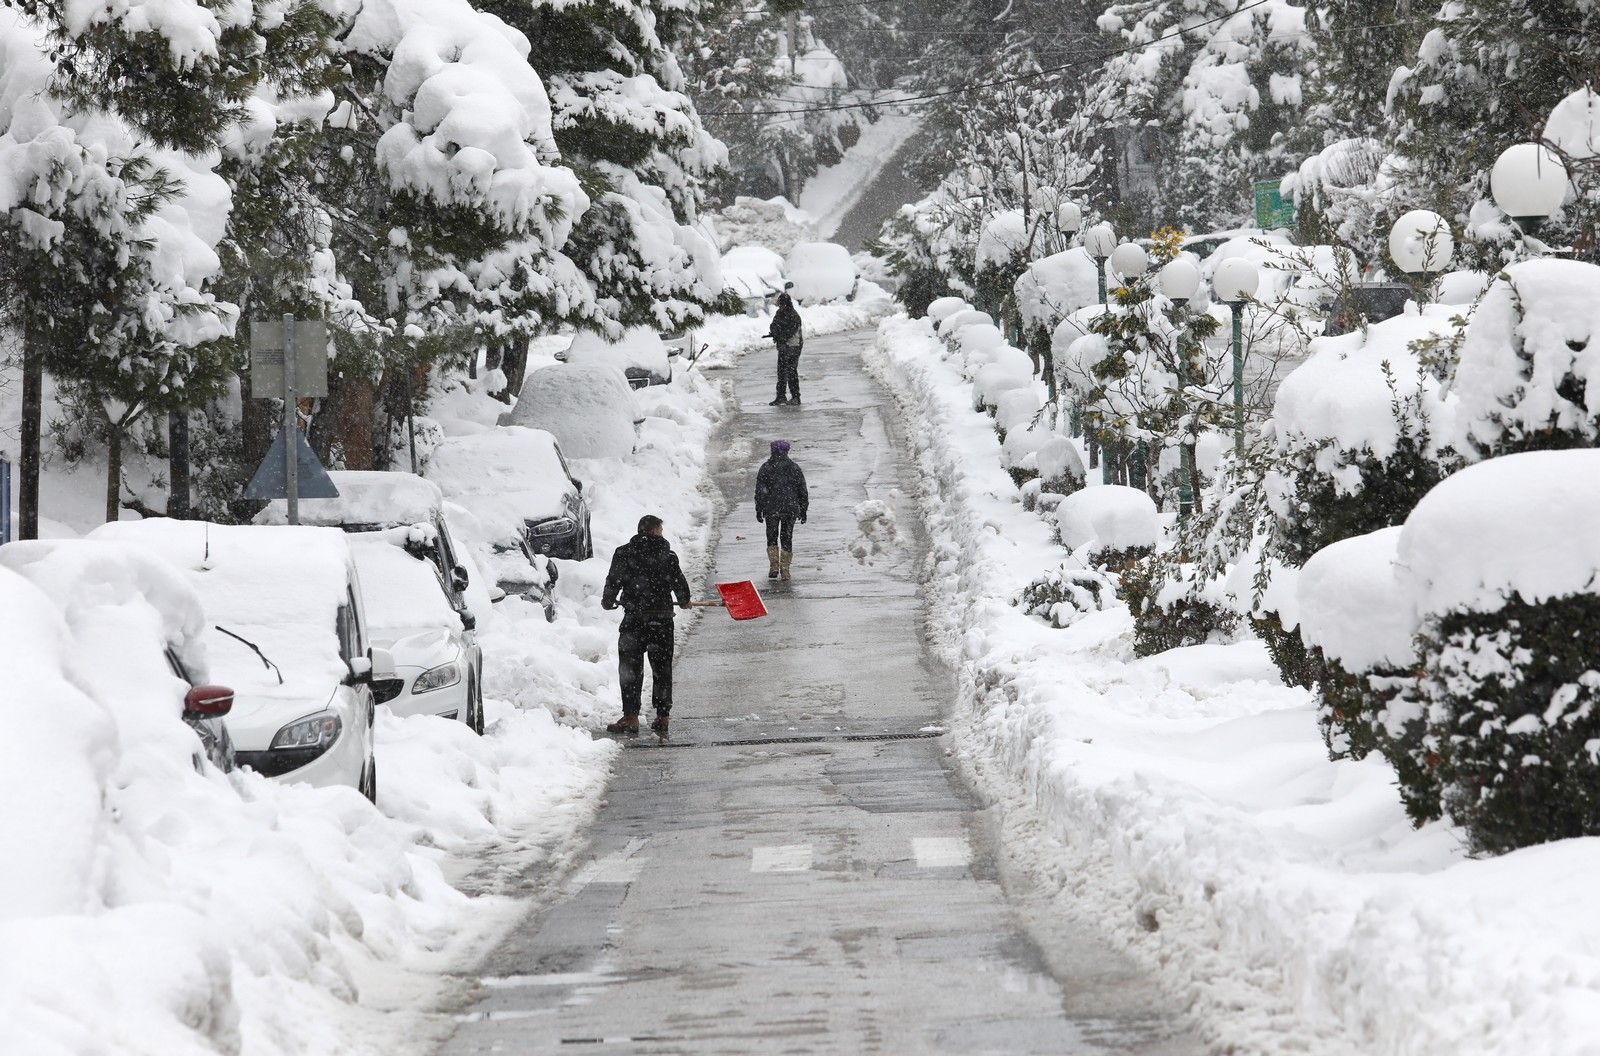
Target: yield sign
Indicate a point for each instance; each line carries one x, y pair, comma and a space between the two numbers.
312, 481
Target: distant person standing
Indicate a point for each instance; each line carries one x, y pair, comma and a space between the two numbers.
785, 333
781, 499
645, 579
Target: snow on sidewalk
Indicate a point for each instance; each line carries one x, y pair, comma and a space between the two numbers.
1184, 804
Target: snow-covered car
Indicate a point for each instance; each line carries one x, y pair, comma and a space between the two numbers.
285, 626
821, 272
590, 410
142, 625
437, 663
375, 501
518, 484
640, 354
753, 274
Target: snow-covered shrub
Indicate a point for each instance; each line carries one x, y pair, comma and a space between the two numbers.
1051, 289
1529, 376
940, 307
1017, 409
1060, 466
1174, 607
1064, 595
1117, 524
1004, 244
1360, 630
1502, 563
821, 272
1357, 434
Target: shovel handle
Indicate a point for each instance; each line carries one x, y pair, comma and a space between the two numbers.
716, 603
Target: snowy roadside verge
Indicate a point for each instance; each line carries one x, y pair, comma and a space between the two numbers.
1185, 805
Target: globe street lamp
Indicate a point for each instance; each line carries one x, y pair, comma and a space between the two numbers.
1235, 282
1180, 281
1130, 261
1099, 241
1420, 243
1528, 183
1069, 221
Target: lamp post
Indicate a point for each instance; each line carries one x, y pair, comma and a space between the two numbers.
1100, 240
1129, 261
1235, 282
1069, 221
1528, 183
1180, 281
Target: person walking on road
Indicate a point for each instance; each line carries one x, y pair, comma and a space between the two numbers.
785, 333
781, 499
645, 579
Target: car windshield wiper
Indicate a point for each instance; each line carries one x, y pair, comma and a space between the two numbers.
253, 648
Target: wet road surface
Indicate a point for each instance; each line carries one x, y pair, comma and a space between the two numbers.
800, 870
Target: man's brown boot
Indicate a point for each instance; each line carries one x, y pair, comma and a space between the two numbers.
628, 724
772, 562
784, 562
660, 725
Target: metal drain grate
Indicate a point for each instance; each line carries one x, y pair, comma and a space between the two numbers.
819, 738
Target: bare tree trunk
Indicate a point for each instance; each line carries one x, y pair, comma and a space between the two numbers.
355, 421
514, 361
113, 469
32, 419
258, 420
178, 464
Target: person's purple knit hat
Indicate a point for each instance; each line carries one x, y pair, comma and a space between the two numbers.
780, 447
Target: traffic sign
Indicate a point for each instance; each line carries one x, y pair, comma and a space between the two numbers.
271, 480
1271, 210
310, 358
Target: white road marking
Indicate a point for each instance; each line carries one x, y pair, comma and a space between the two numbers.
789, 858
619, 868
941, 852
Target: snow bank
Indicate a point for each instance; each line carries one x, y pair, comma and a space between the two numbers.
1352, 605
1185, 805
821, 272
1521, 524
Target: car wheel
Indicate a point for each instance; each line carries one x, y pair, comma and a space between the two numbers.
369, 781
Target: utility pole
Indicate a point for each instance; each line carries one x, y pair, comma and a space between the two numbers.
32, 413
291, 424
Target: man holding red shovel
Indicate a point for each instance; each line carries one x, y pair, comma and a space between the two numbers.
645, 579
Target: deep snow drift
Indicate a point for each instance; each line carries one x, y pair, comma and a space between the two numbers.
1184, 803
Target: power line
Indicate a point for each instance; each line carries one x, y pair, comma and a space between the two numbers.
963, 89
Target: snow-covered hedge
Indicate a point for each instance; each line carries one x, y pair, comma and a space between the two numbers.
1502, 564
1529, 375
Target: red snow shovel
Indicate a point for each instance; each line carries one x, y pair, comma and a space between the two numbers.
742, 600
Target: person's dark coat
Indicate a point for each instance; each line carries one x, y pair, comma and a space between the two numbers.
785, 328
645, 579
781, 489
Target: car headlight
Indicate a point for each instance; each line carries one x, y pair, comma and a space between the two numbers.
559, 526
315, 731
437, 678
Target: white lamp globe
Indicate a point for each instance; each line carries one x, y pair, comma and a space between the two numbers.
1235, 280
1100, 240
1130, 260
1528, 182
1420, 243
1069, 218
1180, 279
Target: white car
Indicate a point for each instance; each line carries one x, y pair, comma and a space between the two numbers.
286, 629
639, 353
437, 663
518, 484
590, 410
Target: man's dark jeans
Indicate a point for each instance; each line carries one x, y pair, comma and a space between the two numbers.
789, 373
641, 637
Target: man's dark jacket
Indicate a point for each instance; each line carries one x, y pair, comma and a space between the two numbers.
645, 578
781, 489
785, 328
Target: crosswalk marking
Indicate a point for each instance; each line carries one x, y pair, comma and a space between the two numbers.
788, 858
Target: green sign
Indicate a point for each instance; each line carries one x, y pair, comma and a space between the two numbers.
1271, 210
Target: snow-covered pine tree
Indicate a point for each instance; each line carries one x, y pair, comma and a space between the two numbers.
622, 120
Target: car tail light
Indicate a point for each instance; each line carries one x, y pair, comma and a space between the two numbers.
208, 700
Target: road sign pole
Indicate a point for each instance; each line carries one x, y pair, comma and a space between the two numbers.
291, 424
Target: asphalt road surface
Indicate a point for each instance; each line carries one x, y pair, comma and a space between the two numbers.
800, 869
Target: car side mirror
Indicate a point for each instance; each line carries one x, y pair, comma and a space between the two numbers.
561, 357
382, 662
578, 484
210, 701
496, 594
360, 672
458, 578
469, 622
674, 352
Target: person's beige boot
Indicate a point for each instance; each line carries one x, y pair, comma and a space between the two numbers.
772, 562
784, 561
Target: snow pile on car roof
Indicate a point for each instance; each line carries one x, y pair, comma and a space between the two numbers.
508, 476
639, 346
589, 409
401, 591
752, 271
820, 271
278, 587
366, 497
